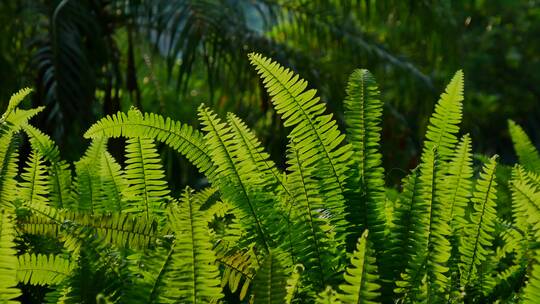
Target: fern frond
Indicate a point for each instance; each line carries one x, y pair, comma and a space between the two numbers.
114, 183
458, 183
43, 269
444, 123
328, 296
293, 283
59, 172
478, 234
237, 181
181, 137
363, 113
9, 155
313, 243
238, 269
361, 277
316, 135
270, 281
145, 176
8, 261
33, 188
14, 102
531, 292
195, 276
528, 155
88, 180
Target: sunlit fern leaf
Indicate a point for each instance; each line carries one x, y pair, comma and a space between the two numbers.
444, 123
251, 150
525, 201
206, 196
33, 188
294, 283
361, 276
9, 154
269, 284
8, 261
43, 269
114, 183
59, 171
181, 137
327, 296
312, 241
17, 119
458, 185
527, 153
406, 213
195, 276
315, 134
237, 180
478, 233
147, 189
363, 113
430, 246
88, 194
531, 292
14, 102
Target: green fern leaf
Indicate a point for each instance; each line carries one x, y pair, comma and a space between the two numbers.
527, 153
114, 183
43, 269
479, 233
14, 102
33, 188
8, 260
8, 170
316, 135
328, 296
145, 176
361, 277
443, 124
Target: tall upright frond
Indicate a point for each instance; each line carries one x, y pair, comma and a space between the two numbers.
314, 133
114, 183
8, 261
479, 232
9, 155
33, 188
527, 153
269, 284
361, 276
144, 173
444, 123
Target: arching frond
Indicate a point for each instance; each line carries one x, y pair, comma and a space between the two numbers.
270, 281
527, 153
478, 233
14, 102
444, 123
238, 269
43, 269
8, 261
315, 134
361, 277
144, 173
181, 137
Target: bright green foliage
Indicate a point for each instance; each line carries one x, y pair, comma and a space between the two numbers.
361, 276
269, 284
8, 260
478, 234
144, 174
443, 124
114, 233
527, 153
363, 116
314, 134
42, 269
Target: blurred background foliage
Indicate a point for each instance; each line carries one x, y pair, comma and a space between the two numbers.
89, 58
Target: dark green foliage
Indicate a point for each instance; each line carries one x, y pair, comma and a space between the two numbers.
116, 233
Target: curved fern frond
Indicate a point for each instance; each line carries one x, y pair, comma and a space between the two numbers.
270, 281
478, 234
14, 102
181, 137
444, 123
145, 176
43, 269
316, 135
238, 269
361, 277
363, 113
527, 153
33, 188
8, 261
